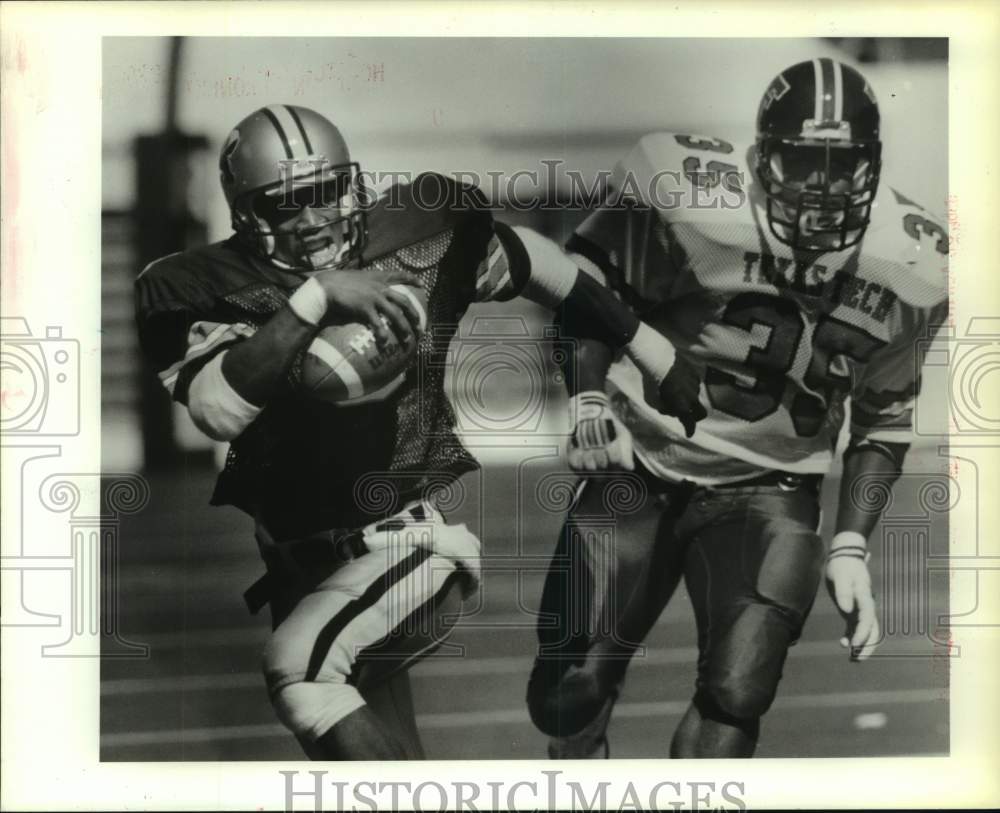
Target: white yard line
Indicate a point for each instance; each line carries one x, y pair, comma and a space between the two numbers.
518, 716
467, 625
436, 666
663, 708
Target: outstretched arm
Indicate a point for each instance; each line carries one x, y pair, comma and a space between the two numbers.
591, 311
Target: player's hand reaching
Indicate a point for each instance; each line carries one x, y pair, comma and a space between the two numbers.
367, 296
850, 587
672, 379
678, 394
599, 441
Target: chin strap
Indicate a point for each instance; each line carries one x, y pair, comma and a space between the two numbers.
256, 234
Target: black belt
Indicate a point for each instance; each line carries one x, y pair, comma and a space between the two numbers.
681, 492
785, 480
308, 560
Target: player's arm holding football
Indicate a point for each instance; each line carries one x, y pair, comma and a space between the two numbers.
256, 367
226, 373
881, 426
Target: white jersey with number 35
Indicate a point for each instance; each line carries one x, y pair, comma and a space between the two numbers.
784, 337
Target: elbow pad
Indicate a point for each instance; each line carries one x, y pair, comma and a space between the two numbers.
215, 407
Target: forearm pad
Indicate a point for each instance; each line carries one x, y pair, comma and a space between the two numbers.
215, 407
592, 311
586, 309
870, 470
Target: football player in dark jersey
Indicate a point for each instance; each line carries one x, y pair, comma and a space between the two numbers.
820, 284
361, 566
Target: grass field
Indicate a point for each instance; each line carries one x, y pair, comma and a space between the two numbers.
200, 696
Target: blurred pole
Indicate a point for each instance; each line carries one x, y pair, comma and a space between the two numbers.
164, 223
173, 71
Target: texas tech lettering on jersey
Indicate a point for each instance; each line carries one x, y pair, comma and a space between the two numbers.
814, 279
785, 336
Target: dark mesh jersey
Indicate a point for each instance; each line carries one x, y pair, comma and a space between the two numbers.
303, 464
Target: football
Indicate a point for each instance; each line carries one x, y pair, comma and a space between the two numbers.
345, 365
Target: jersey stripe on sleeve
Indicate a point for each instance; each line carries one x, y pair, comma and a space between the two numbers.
205, 339
493, 277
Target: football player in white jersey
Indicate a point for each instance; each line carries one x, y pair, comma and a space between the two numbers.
792, 280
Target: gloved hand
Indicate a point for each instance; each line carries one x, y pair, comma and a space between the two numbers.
850, 586
678, 393
677, 378
599, 441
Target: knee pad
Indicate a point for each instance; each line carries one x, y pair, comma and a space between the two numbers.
309, 710
565, 705
744, 668
709, 709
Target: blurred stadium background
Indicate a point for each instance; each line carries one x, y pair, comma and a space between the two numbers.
461, 105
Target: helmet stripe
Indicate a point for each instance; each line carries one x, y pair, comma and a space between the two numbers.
281, 131
292, 130
838, 92
302, 130
826, 64
818, 89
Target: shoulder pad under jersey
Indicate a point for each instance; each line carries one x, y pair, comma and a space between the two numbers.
684, 176
193, 279
408, 213
908, 235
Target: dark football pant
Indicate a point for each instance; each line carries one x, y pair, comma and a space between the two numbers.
751, 559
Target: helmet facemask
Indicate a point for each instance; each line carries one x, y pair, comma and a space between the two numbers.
819, 190
337, 231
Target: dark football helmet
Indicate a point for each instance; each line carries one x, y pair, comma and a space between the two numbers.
818, 155
281, 158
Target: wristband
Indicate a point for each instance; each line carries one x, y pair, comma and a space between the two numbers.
309, 302
651, 352
848, 552
851, 543
588, 405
